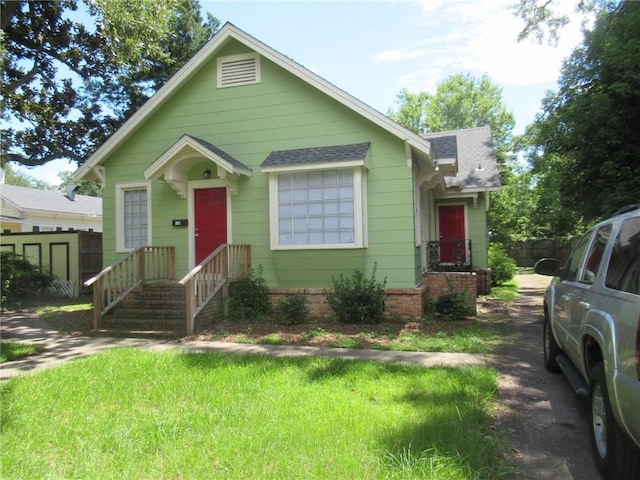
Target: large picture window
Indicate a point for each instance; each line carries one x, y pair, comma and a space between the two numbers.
133, 216
318, 209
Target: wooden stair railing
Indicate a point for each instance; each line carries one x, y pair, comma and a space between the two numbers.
113, 283
214, 273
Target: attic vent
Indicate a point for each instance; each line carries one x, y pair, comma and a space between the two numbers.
238, 70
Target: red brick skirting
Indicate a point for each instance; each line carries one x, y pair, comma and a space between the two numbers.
440, 283
404, 303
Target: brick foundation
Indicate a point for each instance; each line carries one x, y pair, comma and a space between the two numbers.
437, 284
484, 281
405, 303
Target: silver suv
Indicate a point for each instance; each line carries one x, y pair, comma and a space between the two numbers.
592, 333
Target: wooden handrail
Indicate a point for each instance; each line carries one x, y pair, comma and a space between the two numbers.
113, 283
224, 264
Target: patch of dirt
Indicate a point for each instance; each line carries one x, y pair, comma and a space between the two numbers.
324, 333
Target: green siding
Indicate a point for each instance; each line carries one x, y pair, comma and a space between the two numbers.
248, 122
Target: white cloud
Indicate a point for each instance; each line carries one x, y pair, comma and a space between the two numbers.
477, 36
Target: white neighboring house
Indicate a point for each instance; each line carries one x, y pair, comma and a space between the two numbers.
25, 209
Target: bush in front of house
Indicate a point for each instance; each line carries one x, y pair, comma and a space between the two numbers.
453, 306
248, 297
503, 267
19, 278
293, 309
358, 299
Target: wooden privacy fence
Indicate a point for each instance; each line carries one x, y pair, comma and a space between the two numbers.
527, 252
201, 284
114, 282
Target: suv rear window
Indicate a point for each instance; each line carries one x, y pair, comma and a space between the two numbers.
624, 268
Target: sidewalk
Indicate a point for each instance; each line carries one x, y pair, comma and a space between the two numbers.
29, 328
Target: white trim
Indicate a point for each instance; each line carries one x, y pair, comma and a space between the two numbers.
227, 33
120, 189
196, 185
361, 237
314, 167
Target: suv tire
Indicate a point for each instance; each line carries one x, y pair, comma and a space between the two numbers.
615, 456
551, 348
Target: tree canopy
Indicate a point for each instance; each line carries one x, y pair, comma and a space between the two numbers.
460, 101
543, 20
585, 143
72, 71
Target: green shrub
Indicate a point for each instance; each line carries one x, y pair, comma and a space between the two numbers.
19, 278
453, 306
429, 313
293, 310
357, 299
503, 267
248, 297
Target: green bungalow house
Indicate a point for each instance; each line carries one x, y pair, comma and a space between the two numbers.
245, 157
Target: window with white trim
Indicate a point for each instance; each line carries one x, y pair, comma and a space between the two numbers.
318, 209
133, 216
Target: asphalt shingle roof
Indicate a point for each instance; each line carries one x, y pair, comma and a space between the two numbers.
220, 153
477, 164
50, 200
445, 147
305, 156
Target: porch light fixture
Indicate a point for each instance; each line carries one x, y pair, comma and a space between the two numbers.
206, 173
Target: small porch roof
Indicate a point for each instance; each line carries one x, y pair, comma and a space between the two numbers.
174, 164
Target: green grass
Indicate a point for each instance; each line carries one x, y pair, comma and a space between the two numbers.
507, 292
10, 351
138, 414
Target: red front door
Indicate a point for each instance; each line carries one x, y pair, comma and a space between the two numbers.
451, 223
210, 220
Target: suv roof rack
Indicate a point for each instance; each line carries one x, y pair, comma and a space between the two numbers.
626, 209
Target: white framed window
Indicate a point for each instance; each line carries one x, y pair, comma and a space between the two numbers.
236, 70
133, 216
318, 209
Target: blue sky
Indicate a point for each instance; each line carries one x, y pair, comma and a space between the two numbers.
373, 49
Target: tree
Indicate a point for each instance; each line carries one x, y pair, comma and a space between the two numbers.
586, 139
19, 179
188, 34
84, 187
68, 86
461, 101
543, 20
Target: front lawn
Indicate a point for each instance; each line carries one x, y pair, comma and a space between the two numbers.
137, 414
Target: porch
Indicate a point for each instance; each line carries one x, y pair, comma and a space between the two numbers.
154, 268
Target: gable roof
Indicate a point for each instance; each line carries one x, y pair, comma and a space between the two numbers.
33, 199
204, 148
316, 155
227, 33
477, 164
